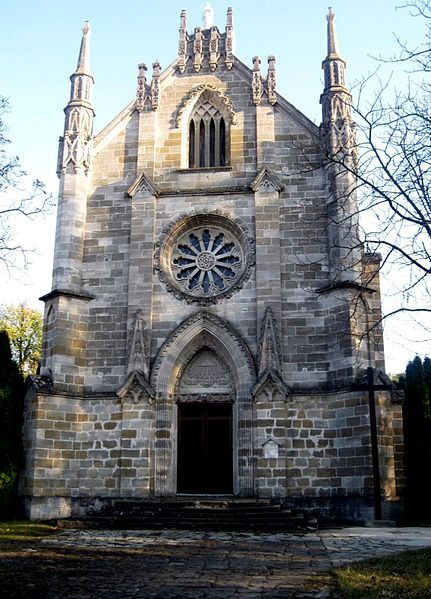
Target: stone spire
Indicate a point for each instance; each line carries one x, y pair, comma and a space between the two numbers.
333, 65
83, 66
75, 145
338, 131
74, 161
338, 143
332, 36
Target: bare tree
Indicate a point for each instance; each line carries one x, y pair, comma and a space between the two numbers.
19, 199
391, 172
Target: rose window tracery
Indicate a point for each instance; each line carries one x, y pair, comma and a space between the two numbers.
204, 257
206, 261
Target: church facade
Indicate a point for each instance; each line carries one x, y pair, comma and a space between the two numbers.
212, 309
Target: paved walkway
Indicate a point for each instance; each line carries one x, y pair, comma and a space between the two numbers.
353, 544
172, 564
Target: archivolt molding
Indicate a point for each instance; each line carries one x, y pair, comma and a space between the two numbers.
202, 217
197, 91
203, 330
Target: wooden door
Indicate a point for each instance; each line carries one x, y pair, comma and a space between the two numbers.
204, 448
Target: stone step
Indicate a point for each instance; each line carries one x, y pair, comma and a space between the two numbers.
192, 513
286, 525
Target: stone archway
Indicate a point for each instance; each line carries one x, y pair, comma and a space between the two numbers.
202, 331
205, 398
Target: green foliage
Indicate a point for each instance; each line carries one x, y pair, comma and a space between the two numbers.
397, 576
24, 328
22, 531
417, 439
11, 410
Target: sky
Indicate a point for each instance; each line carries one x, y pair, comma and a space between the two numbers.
39, 44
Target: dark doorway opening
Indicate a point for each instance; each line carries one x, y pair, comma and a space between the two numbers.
204, 448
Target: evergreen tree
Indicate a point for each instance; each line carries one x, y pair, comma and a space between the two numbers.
427, 373
11, 410
417, 439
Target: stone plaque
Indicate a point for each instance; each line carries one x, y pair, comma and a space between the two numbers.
270, 449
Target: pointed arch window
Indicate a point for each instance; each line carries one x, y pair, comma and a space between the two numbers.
207, 137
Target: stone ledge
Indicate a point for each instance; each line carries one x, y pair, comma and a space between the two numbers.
83, 295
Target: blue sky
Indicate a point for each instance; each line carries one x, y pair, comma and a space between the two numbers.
39, 43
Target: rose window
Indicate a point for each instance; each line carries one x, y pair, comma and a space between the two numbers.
204, 257
206, 261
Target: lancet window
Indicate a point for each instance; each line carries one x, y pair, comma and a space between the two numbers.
207, 137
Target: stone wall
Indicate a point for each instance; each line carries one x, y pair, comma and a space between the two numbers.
310, 449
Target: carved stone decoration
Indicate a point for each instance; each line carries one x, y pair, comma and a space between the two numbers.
269, 356
204, 330
271, 80
206, 374
136, 389
270, 385
76, 144
182, 44
214, 52
266, 182
256, 81
194, 93
198, 49
144, 186
204, 256
141, 89
338, 130
137, 359
155, 85
229, 42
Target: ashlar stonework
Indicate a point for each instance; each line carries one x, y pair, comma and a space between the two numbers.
211, 303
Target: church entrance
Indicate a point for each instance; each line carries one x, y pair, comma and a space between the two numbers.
205, 397
204, 448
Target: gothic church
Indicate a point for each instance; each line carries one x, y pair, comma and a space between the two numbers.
212, 307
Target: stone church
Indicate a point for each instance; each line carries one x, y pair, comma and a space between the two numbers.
212, 311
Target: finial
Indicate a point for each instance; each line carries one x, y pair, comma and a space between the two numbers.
155, 87
229, 17
271, 80
140, 89
256, 83
83, 66
183, 20
230, 39
208, 16
332, 36
182, 43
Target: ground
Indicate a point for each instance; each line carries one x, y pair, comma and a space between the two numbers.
177, 564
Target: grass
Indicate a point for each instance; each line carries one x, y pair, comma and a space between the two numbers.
404, 575
21, 530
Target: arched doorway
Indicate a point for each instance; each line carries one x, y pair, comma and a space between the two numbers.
205, 397
202, 331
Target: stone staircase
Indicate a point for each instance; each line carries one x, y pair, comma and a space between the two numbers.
193, 514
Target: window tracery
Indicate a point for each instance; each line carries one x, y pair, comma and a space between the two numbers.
207, 137
207, 261
204, 257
